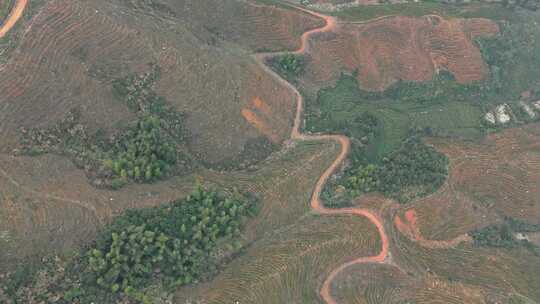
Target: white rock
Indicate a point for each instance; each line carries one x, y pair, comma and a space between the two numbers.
502, 114
527, 109
490, 117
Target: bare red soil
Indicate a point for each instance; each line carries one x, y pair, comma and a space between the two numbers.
410, 228
400, 48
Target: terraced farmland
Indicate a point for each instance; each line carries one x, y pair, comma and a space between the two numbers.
211, 55
400, 48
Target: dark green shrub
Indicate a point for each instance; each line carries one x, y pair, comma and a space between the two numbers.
172, 243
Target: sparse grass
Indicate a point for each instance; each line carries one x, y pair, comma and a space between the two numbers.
149, 150
5, 6
367, 12
498, 270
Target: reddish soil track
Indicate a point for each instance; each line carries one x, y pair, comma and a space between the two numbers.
316, 203
14, 16
410, 228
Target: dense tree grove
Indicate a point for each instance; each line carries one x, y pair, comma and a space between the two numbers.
413, 170
143, 153
289, 65
176, 238
413, 165
172, 243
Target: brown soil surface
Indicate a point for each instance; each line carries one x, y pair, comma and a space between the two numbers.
399, 48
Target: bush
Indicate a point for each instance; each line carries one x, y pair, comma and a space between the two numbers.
144, 153
411, 171
290, 65
172, 243
413, 165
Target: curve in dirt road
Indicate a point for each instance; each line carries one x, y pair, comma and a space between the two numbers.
316, 203
410, 228
14, 16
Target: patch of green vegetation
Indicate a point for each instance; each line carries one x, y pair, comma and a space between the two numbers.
380, 124
144, 153
173, 242
146, 250
504, 235
345, 108
413, 170
290, 66
149, 150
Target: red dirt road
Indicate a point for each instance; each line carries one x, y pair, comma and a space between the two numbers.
15, 14
316, 203
410, 228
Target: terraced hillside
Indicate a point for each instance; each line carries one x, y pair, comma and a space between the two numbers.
69, 56
487, 182
87, 45
214, 65
400, 48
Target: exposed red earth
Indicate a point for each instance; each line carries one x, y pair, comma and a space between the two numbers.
392, 48
410, 228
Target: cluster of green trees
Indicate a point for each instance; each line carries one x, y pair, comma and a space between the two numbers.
289, 65
149, 150
503, 235
143, 153
415, 166
172, 243
363, 180
411, 171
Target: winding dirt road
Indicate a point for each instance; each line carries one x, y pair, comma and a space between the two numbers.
14, 16
316, 203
